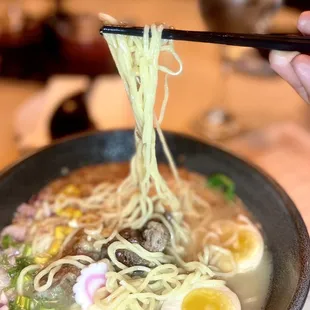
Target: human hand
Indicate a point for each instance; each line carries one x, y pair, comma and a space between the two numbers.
293, 66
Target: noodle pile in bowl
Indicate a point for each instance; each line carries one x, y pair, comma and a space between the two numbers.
118, 262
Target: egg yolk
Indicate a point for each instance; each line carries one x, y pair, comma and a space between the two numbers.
227, 230
207, 299
245, 245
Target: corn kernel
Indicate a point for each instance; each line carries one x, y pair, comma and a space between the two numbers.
59, 233
42, 259
62, 212
69, 212
62, 231
55, 247
71, 190
77, 213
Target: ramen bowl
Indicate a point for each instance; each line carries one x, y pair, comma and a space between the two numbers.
284, 230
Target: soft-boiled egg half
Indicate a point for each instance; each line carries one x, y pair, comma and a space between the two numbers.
244, 241
204, 298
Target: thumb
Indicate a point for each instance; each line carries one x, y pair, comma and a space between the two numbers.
285, 64
304, 23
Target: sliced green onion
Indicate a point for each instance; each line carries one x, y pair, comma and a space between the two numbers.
40, 305
27, 250
7, 241
23, 302
35, 305
223, 183
13, 272
21, 263
12, 305
27, 278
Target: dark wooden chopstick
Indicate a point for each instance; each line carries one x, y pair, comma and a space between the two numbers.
282, 42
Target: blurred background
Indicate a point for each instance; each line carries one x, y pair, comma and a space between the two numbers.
57, 77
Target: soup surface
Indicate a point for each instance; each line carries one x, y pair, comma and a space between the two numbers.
224, 223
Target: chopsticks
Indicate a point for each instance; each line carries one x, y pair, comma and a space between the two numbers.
281, 42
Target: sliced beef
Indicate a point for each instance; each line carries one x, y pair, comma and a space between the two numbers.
66, 271
131, 235
79, 245
155, 236
139, 274
126, 257
104, 251
129, 259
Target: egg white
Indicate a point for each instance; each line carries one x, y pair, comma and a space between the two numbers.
175, 302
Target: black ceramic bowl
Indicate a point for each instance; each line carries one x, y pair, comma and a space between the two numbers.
284, 229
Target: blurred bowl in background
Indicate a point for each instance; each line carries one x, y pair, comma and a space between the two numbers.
20, 39
82, 49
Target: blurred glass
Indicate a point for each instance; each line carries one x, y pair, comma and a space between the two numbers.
241, 16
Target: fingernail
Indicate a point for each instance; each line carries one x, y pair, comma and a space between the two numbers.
282, 58
304, 23
302, 69
304, 95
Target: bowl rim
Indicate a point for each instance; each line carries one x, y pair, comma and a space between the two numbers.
303, 286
